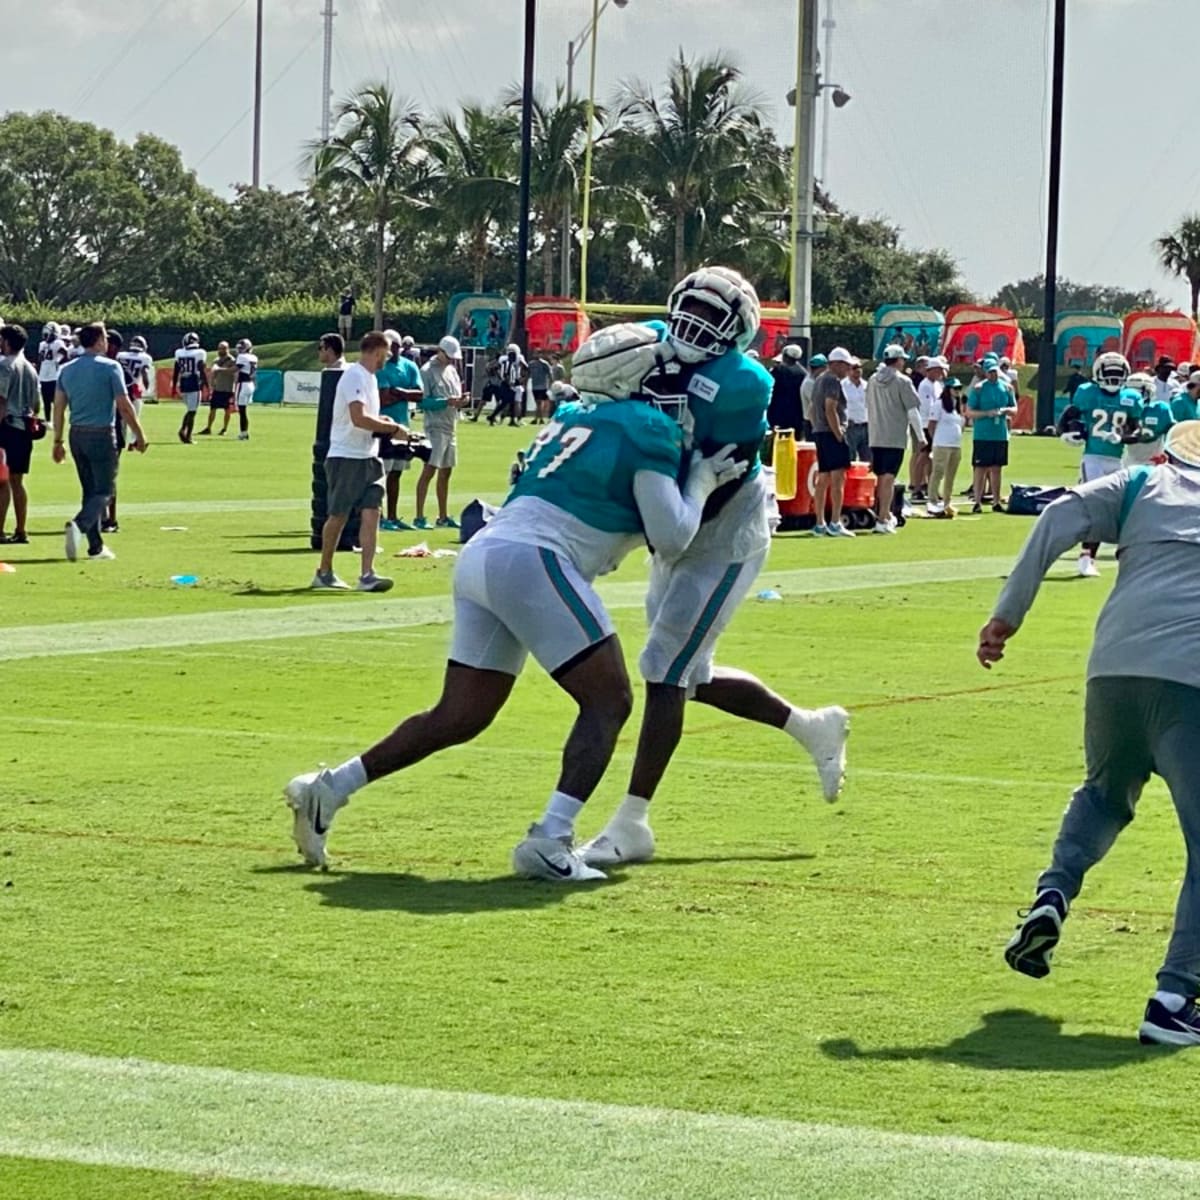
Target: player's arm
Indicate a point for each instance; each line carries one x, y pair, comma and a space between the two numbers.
175, 377
361, 419
1089, 513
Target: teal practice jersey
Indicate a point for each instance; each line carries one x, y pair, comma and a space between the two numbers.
1107, 412
585, 460
1156, 420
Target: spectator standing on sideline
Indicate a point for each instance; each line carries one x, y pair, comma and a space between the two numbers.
20, 396
353, 469
817, 366
492, 389
1009, 372
1186, 404
331, 352
92, 388
893, 408
929, 392
189, 379
833, 454
443, 398
399, 381
1075, 381
220, 396
540, 377
558, 373
992, 405
857, 433
345, 314
787, 378
408, 349
52, 356
947, 450
513, 372
1165, 384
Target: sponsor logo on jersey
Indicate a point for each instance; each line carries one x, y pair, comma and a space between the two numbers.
704, 388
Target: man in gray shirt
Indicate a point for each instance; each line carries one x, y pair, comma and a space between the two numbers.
893, 408
19, 399
833, 452
1142, 710
93, 388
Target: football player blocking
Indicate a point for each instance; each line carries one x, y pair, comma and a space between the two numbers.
606, 476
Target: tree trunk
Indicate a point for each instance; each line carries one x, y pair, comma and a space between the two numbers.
1194, 281
548, 288
680, 268
479, 256
380, 269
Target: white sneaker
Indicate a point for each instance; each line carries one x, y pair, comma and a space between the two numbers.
888, 526
934, 508
313, 800
824, 737
73, 536
621, 841
1087, 567
328, 583
549, 858
103, 553
838, 531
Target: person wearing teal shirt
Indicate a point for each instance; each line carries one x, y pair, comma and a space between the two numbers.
1154, 424
599, 481
722, 395
399, 381
1185, 405
991, 406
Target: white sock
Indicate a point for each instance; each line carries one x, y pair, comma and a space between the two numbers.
348, 778
632, 808
1171, 1001
797, 724
559, 818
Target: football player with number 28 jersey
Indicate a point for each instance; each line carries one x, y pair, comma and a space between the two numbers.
713, 319
599, 480
1102, 418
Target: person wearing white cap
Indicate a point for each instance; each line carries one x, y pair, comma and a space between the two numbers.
857, 434
442, 385
833, 452
893, 408
1142, 704
929, 392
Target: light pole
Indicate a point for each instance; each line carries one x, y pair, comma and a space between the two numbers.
256, 165
1047, 354
327, 14
574, 49
520, 336
803, 97
829, 25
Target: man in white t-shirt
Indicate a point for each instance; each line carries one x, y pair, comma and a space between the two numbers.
854, 388
930, 395
443, 397
354, 475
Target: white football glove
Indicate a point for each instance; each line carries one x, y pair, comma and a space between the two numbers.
1113, 438
705, 475
1073, 438
613, 362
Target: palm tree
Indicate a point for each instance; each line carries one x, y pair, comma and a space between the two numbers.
476, 153
559, 135
375, 164
691, 150
1179, 254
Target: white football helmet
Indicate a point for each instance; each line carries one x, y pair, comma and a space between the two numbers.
137, 343
64, 332
1143, 383
191, 341
244, 346
733, 324
49, 331
1110, 371
614, 363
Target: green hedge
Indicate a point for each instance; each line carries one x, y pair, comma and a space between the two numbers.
292, 319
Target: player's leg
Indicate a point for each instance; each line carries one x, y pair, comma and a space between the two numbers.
428, 471
243, 421
837, 498
1119, 762
1172, 1017
443, 494
820, 498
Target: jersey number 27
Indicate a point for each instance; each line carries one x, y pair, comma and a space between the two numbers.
570, 444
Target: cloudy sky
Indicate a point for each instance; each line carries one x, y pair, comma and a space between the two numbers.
945, 134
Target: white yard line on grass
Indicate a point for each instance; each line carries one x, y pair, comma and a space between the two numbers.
199, 508
336, 614
391, 1140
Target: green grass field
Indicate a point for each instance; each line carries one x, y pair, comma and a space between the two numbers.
793, 1000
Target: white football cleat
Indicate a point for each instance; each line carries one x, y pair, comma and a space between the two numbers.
550, 858
1087, 567
621, 841
314, 802
824, 737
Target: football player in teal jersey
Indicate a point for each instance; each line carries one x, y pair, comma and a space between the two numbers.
713, 318
1103, 419
1154, 423
599, 480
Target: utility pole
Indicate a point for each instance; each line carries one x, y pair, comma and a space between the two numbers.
829, 25
1047, 353
520, 336
328, 14
256, 167
802, 182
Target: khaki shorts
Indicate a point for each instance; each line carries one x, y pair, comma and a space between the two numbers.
353, 483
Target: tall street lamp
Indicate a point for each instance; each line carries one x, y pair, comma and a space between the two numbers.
520, 335
574, 49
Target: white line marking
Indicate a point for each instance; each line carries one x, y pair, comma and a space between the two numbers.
334, 614
391, 1140
199, 508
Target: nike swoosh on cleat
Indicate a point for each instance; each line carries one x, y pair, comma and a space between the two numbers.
319, 829
561, 872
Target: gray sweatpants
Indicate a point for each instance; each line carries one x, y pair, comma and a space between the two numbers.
1134, 727
94, 449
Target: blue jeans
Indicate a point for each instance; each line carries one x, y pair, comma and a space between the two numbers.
858, 440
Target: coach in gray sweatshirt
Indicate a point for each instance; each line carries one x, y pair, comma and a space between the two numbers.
893, 408
1142, 712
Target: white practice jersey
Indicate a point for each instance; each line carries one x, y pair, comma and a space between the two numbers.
188, 364
74, 352
51, 356
139, 364
247, 367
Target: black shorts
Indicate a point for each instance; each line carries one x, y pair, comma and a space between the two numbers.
17, 446
540, 394
220, 400
887, 460
989, 454
832, 455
